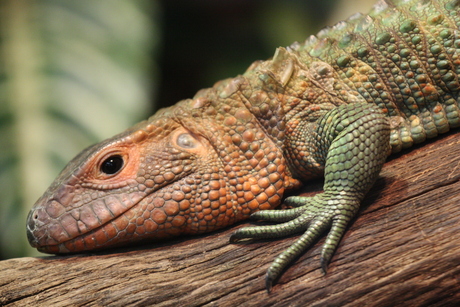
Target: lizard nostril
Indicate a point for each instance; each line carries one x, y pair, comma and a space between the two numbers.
31, 219
33, 216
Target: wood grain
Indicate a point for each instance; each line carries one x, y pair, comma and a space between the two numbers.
402, 250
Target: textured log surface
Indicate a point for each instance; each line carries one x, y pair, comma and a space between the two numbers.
403, 249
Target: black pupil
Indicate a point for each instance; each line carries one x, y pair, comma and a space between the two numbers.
112, 165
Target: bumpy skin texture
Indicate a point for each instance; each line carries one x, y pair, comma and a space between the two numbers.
335, 105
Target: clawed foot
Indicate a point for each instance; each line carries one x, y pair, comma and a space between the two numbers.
313, 216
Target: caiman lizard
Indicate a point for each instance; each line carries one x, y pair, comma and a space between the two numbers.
335, 106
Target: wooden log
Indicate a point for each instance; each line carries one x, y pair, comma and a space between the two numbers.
402, 250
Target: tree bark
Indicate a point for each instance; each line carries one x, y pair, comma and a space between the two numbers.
403, 249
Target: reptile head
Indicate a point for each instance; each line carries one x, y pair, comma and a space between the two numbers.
195, 167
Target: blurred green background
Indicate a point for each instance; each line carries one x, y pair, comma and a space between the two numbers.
75, 72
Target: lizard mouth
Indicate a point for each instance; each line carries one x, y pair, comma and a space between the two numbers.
94, 228
95, 239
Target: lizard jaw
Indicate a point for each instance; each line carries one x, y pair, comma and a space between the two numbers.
77, 230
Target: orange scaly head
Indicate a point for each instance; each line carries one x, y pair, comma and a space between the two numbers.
195, 167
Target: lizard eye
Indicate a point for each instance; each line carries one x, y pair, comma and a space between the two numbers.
185, 140
112, 165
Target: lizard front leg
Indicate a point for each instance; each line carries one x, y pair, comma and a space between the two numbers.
351, 143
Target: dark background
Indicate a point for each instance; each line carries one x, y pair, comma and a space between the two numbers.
207, 40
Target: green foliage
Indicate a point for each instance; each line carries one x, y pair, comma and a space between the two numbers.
71, 73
